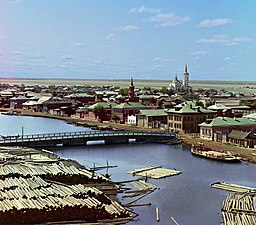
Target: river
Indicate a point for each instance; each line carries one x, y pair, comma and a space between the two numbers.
186, 197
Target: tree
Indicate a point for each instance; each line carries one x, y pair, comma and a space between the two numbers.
209, 103
194, 96
98, 111
22, 87
115, 117
123, 91
164, 90
199, 103
159, 102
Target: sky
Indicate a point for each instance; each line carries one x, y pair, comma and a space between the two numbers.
119, 39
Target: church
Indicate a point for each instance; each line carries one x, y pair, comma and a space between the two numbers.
181, 86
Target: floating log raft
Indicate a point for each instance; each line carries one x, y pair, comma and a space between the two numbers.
155, 172
142, 185
239, 209
232, 187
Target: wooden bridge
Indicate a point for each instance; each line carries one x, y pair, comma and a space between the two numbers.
82, 138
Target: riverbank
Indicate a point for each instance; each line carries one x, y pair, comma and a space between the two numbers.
244, 153
188, 139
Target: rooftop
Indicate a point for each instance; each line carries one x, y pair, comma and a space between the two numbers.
153, 112
131, 105
227, 121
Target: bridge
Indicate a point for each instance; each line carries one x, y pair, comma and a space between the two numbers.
83, 138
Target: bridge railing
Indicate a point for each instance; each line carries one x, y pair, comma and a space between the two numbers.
80, 134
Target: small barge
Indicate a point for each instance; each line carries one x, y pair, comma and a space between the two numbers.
212, 154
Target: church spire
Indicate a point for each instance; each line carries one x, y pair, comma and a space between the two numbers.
131, 82
186, 68
131, 94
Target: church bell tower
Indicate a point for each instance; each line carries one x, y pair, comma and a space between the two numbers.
131, 94
185, 78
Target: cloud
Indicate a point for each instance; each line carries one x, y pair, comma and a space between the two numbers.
143, 9
36, 56
12, 1
98, 61
128, 28
108, 37
224, 40
78, 45
17, 53
226, 58
159, 66
198, 53
158, 59
168, 20
67, 58
214, 22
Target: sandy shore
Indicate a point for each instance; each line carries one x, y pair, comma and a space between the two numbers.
188, 139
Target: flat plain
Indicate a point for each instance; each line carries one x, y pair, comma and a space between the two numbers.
233, 86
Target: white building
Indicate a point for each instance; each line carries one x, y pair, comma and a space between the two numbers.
181, 86
131, 119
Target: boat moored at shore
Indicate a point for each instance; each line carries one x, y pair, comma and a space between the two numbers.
213, 154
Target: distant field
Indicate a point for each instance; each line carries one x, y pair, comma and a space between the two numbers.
234, 86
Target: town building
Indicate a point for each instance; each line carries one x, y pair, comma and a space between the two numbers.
16, 102
152, 118
131, 93
217, 129
104, 111
82, 97
181, 86
187, 118
126, 109
242, 139
131, 120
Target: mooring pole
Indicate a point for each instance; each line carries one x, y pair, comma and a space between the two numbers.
22, 133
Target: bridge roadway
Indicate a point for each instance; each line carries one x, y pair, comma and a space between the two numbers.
82, 138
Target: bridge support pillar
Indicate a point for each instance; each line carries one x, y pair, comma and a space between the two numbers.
117, 140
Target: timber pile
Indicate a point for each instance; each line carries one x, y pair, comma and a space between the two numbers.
155, 172
239, 209
232, 187
50, 202
31, 192
54, 171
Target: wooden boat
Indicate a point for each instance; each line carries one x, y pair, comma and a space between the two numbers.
211, 154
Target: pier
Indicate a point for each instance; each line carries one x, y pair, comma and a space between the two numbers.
83, 138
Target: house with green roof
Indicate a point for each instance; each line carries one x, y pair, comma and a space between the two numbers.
152, 118
82, 97
217, 129
187, 118
105, 109
126, 109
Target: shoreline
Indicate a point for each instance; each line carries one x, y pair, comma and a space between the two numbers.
187, 139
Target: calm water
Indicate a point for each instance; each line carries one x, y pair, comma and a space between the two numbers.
186, 197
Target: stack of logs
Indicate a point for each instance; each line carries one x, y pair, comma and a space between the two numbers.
239, 209
31, 192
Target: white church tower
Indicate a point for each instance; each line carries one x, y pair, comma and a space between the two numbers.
185, 78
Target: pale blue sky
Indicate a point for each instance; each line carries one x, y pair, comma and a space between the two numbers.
117, 39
